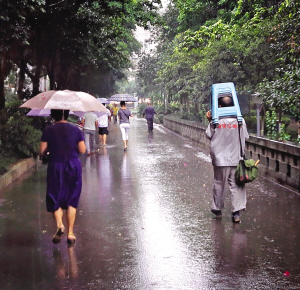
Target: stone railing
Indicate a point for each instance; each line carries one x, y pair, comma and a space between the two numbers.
278, 161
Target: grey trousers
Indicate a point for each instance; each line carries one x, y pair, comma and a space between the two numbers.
224, 175
89, 136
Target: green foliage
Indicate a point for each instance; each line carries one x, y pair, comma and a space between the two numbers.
10, 96
254, 44
282, 93
125, 86
141, 109
283, 135
81, 45
271, 125
158, 107
17, 133
174, 106
20, 136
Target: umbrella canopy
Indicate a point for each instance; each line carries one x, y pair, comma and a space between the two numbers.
122, 97
39, 113
42, 113
103, 100
65, 100
81, 114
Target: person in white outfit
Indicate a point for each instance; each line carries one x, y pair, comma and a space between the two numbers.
103, 127
90, 123
225, 155
124, 115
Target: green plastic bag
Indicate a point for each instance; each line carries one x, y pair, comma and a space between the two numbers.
246, 171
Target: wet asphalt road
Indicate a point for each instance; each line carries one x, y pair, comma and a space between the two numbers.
144, 222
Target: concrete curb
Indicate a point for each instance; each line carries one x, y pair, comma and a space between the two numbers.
16, 171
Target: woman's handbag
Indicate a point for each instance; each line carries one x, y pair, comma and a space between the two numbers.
246, 170
45, 158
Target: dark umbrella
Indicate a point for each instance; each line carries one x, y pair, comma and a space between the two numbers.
122, 97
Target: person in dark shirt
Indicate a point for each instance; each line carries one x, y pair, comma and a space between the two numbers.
149, 112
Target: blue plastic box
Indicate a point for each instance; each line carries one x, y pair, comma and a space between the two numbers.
221, 90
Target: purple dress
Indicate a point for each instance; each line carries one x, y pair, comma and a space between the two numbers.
64, 173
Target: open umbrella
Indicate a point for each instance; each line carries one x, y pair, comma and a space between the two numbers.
65, 100
103, 100
42, 113
122, 97
81, 114
39, 113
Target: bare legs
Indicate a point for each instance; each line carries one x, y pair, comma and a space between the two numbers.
71, 214
125, 143
58, 215
102, 139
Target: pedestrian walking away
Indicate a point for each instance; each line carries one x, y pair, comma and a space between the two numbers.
90, 124
62, 143
124, 115
115, 110
103, 127
149, 113
225, 155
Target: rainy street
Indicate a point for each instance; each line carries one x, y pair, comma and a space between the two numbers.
144, 222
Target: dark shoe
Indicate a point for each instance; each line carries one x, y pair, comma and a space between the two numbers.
218, 213
236, 217
71, 239
59, 232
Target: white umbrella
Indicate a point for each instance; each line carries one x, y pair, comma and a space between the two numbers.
65, 100
81, 114
42, 113
39, 113
103, 100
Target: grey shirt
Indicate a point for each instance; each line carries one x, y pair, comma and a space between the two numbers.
124, 115
89, 121
225, 144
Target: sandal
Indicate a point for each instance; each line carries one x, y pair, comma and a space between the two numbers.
56, 238
72, 240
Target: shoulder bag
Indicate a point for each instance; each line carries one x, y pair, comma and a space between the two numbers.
247, 169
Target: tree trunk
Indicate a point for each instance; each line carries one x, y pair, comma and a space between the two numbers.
21, 79
36, 80
5, 66
51, 77
279, 120
2, 95
165, 102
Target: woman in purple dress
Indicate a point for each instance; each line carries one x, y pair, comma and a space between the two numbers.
63, 142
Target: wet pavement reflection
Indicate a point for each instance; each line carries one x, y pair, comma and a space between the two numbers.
144, 222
